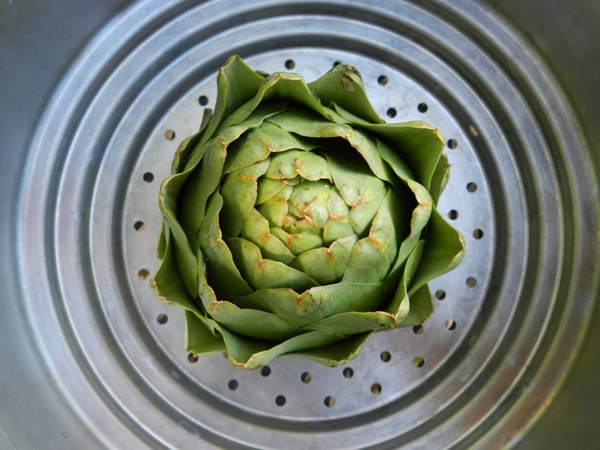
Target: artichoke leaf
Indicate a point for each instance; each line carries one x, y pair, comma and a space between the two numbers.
443, 251
199, 337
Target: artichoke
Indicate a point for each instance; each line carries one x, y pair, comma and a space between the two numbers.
297, 222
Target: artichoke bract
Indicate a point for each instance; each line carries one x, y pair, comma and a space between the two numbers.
297, 222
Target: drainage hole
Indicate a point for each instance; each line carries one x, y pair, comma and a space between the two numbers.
203, 100
418, 329
450, 324
391, 113
162, 318
138, 226
453, 214
471, 282
233, 385
440, 294
382, 80
418, 362
290, 64
376, 388
148, 177
385, 356
478, 233
452, 143
192, 358
329, 401
471, 187
143, 274
422, 107
265, 371
348, 372
280, 400
306, 377
169, 135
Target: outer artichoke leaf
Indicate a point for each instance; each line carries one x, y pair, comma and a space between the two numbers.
309, 124
240, 190
287, 87
265, 273
353, 322
373, 256
417, 143
343, 297
183, 151
440, 178
256, 230
251, 322
421, 307
184, 255
167, 282
326, 265
336, 354
343, 85
248, 354
236, 85
360, 189
401, 303
199, 339
162, 241
258, 144
222, 273
444, 250
284, 302
293, 163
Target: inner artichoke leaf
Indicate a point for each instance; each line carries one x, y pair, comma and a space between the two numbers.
444, 250
258, 143
343, 85
336, 354
239, 191
265, 273
167, 282
206, 168
361, 190
256, 230
222, 272
373, 256
327, 265
251, 322
293, 163
297, 243
199, 338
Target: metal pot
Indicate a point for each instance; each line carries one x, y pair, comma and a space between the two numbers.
94, 99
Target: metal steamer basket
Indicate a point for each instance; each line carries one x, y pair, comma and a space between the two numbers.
96, 96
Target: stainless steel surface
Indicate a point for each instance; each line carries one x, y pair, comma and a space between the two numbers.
83, 325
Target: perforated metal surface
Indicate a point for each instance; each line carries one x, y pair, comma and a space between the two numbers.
505, 322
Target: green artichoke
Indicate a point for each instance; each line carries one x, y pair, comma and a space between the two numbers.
297, 222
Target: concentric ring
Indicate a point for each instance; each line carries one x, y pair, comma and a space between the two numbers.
482, 367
